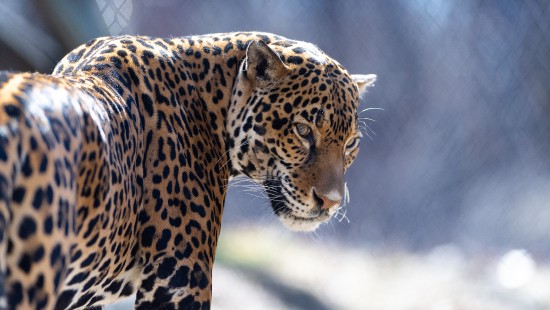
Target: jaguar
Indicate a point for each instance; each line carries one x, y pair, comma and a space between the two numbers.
114, 168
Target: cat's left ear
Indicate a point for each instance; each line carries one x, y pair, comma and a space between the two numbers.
364, 81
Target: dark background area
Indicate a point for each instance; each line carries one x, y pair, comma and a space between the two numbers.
460, 152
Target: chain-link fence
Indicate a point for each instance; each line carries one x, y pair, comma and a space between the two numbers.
460, 153
461, 149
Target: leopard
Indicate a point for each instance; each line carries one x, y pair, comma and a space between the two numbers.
114, 168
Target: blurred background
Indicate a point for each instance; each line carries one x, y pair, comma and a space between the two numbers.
450, 195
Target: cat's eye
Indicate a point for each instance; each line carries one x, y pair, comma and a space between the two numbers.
352, 145
303, 130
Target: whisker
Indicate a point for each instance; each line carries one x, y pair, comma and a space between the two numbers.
367, 118
369, 109
367, 126
342, 214
347, 198
225, 153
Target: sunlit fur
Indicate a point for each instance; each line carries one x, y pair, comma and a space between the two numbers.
262, 118
114, 168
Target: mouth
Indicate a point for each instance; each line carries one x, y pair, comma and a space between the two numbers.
282, 208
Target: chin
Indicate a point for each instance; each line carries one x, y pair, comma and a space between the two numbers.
300, 224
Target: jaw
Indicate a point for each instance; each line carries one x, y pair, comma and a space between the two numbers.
284, 210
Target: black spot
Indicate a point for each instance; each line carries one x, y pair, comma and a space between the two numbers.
57, 279
316, 61
176, 222
34, 143
288, 107
38, 254
85, 263
148, 104
114, 287
127, 290
228, 47
180, 278
232, 61
27, 228
18, 194
105, 265
55, 255
31, 292
74, 57
95, 299
162, 243
166, 268
147, 236
134, 77
43, 164
279, 123
48, 225
248, 124
65, 299
148, 283
49, 194
40, 282
3, 153
162, 297
216, 50
273, 98
260, 147
157, 179
295, 60
41, 303
259, 130
297, 101
25, 263
84, 299
15, 295
206, 65
198, 277
116, 62
188, 303
186, 193
197, 209
89, 284
146, 55
76, 256
38, 197
78, 278
241, 45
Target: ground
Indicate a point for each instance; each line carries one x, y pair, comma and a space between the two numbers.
268, 268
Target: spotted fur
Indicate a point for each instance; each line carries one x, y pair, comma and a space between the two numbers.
114, 169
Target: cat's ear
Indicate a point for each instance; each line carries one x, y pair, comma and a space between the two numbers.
364, 81
262, 63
